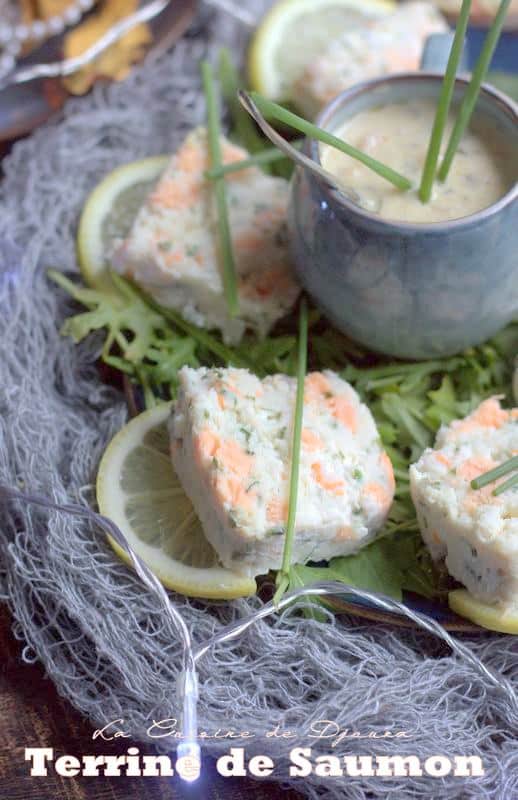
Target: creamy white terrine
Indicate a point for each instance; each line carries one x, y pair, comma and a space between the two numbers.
474, 531
172, 249
382, 45
230, 444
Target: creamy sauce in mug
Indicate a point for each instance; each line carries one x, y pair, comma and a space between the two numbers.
397, 135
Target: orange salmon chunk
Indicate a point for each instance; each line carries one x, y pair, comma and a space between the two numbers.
173, 250
231, 438
473, 531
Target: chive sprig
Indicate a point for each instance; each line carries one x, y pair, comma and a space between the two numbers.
509, 484
283, 580
230, 81
281, 114
443, 106
498, 472
220, 192
472, 93
267, 156
430, 171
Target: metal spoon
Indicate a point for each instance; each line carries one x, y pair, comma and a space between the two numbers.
288, 150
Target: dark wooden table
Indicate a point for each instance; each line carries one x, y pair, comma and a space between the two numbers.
32, 714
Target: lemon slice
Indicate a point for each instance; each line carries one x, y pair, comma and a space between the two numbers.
108, 213
294, 32
483, 614
138, 489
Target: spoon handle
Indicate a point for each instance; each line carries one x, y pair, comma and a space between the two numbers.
295, 155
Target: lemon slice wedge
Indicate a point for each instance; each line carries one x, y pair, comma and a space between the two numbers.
294, 32
138, 489
483, 614
108, 213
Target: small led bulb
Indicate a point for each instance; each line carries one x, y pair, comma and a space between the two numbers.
188, 761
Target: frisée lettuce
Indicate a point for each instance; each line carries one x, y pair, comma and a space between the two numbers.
409, 402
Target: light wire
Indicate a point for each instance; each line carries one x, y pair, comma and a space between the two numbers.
189, 751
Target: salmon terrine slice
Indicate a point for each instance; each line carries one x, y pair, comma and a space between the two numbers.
382, 45
475, 532
231, 439
172, 249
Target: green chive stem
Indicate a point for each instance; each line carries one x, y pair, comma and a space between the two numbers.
267, 156
399, 370
225, 240
507, 485
226, 354
244, 128
267, 107
283, 574
470, 98
443, 105
493, 474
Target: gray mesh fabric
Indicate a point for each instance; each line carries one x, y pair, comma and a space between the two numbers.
99, 634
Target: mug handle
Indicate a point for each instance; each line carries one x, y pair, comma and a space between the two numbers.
436, 53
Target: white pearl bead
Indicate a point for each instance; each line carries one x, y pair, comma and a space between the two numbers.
72, 15
12, 48
5, 33
38, 29
12, 35
7, 63
55, 25
22, 32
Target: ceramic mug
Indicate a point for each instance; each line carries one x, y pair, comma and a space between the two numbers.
408, 290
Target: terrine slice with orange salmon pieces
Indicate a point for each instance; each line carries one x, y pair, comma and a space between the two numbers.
472, 530
231, 436
172, 249
381, 46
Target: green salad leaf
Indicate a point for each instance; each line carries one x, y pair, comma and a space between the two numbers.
409, 402
372, 568
119, 312
139, 341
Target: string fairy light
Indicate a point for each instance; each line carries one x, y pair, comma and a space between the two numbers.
188, 763
189, 751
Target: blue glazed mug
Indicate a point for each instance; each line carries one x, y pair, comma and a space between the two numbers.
407, 290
